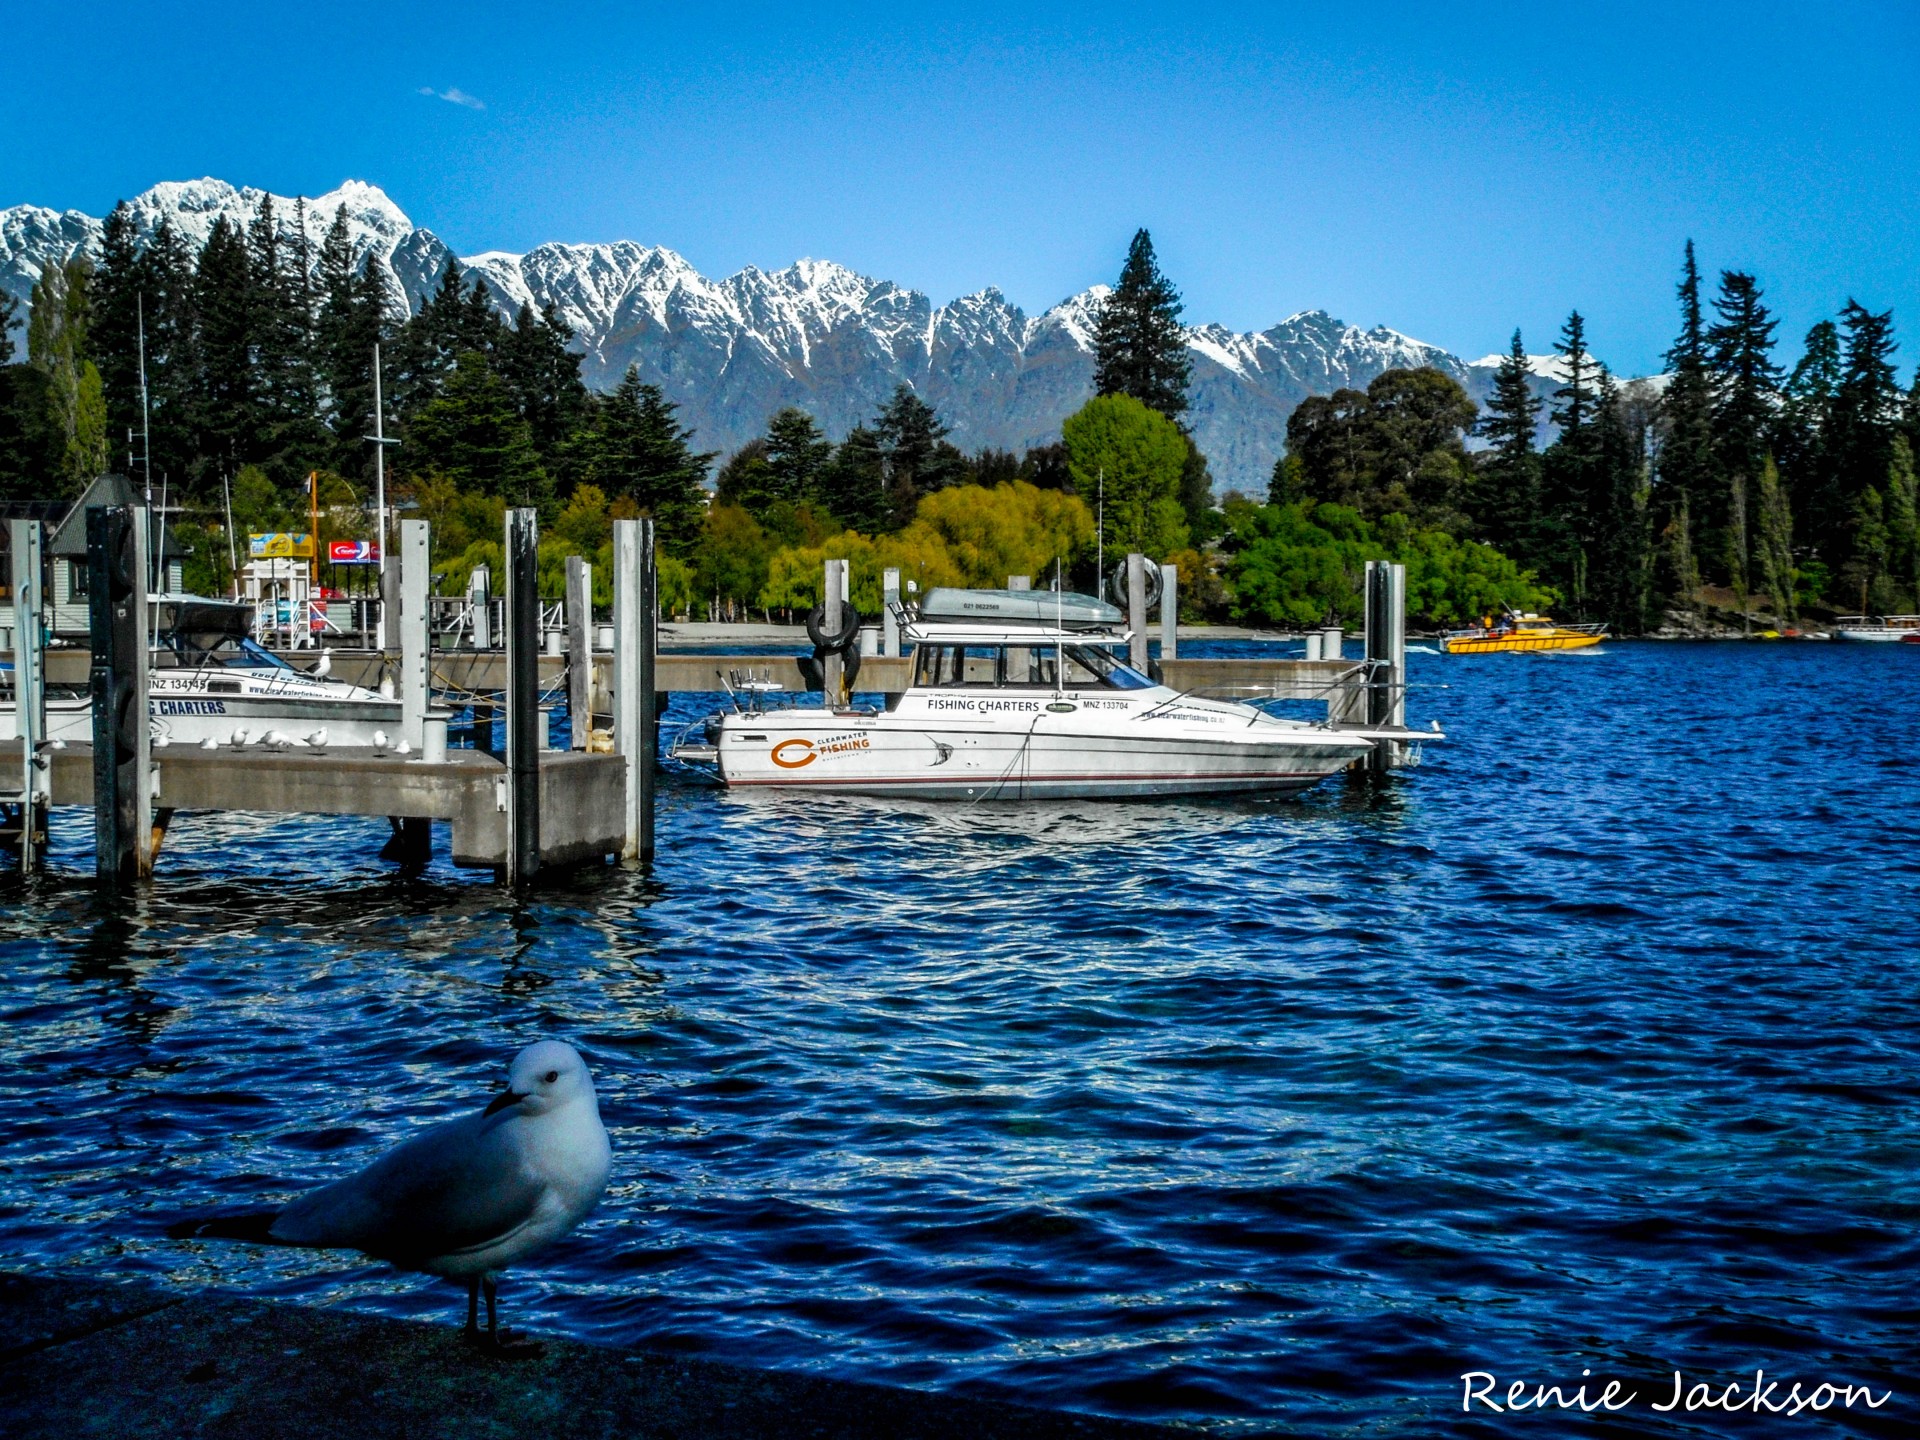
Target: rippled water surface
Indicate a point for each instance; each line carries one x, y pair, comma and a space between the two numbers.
1591, 1045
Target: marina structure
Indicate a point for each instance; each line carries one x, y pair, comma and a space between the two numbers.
526, 806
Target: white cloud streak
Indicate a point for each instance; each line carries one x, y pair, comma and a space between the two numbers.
455, 96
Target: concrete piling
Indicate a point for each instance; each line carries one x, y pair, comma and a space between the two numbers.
415, 582
1137, 611
833, 669
580, 650
29, 684
635, 721
1169, 612
889, 622
1386, 656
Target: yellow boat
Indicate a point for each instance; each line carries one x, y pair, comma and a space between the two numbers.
1518, 633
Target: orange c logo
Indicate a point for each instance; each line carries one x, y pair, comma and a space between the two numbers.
806, 754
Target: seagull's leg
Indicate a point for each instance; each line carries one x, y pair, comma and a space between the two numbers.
504, 1343
473, 1308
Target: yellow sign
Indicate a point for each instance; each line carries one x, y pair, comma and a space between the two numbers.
280, 546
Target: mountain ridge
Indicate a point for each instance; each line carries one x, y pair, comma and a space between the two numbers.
815, 334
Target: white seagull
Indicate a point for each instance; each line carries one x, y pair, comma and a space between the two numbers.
467, 1198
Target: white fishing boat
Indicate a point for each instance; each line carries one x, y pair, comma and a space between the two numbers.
1886, 629
208, 680
1018, 695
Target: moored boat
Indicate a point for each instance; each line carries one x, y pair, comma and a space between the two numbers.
1883, 629
1014, 706
1519, 633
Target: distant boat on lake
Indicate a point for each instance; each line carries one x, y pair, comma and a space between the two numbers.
1518, 633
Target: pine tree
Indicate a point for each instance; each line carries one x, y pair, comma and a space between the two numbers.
853, 485
118, 303
919, 459
797, 453
1865, 413
1574, 490
1139, 346
1686, 456
1773, 541
472, 434
1506, 499
9, 317
228, 413
1803, 433
172, 354
544, 376
1746, 386
1621, 572
635, 448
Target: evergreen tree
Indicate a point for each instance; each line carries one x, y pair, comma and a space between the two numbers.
1686, 456
118, 303
1574, 488
1506, 500
544, 376
279, 331
1865, 412
346, 328
1746, 385
472, 434
172, 353
1204, 521
1139, 346
797, 453
228, 413
853, 485
1622, 560
447, 325
635, 448
1803, 434
919, 459
9, 317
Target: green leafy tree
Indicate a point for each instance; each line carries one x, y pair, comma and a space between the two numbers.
1773, 540
57, 347
1328, 436
1139, 347
1132, 455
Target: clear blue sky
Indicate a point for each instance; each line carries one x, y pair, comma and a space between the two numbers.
1450, 170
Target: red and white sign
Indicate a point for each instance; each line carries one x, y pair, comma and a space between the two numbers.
353, 552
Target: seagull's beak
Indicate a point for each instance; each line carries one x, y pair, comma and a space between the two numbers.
503, 1100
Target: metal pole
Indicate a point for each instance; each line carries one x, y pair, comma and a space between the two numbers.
1137, 610
1169, 612
580, 650
832, 668
889, 622
1386, 636
480, 602
380, 443
414, 582
29, 682
634, 620
523, 696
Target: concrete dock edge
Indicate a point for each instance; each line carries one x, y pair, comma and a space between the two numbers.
103, 1359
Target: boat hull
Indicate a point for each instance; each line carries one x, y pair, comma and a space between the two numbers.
1517, 644
193, 720
854, 755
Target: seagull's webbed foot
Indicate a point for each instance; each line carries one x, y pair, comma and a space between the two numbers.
505, 1344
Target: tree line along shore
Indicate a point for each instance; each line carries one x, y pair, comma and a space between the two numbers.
1731, 489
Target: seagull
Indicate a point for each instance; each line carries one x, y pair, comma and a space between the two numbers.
464, 1199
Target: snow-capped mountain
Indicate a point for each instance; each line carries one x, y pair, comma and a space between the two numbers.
815, 334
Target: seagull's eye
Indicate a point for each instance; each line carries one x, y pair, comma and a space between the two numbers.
552, 1075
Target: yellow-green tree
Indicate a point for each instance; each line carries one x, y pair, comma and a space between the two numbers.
1132, 456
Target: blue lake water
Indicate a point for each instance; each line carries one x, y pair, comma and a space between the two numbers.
1591, 1045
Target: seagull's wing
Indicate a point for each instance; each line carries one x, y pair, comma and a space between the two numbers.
457, 1187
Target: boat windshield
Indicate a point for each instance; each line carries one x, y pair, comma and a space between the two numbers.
242, 652
1023, 667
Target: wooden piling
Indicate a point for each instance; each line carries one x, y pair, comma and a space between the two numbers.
523, 696
580, 650
122, 757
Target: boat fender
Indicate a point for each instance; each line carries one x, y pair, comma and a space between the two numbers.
1117, 585
844, 637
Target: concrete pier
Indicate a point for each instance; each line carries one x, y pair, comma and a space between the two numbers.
93, 1358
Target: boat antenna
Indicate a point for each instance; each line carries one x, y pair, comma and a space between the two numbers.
233, 553
1059, 628
1100, 536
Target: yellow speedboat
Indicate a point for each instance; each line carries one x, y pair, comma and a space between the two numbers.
1514, 633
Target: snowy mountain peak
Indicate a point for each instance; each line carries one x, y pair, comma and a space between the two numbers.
816, 334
